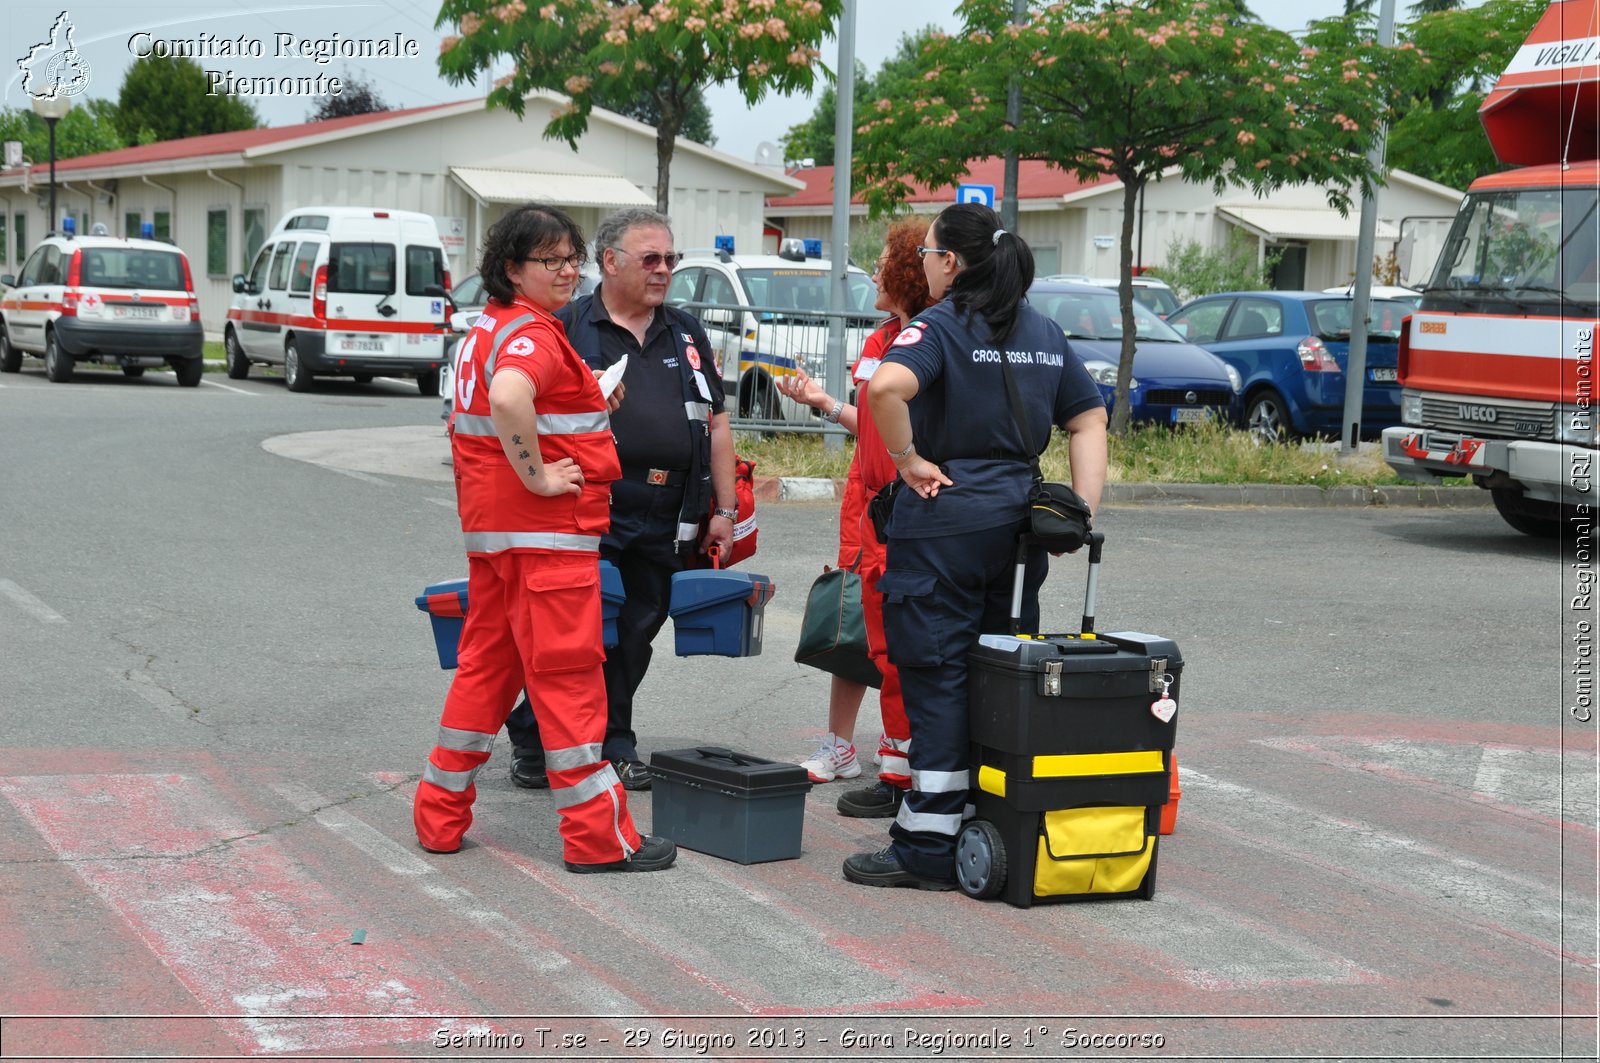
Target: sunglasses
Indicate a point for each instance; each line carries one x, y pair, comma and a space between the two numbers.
924, 252
556, 265
652, 260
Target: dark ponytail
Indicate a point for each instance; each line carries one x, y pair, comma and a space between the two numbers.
998, 266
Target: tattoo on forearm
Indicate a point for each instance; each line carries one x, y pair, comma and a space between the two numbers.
533, 471
522, 453
517, 440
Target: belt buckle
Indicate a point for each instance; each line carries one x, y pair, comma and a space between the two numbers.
656, 477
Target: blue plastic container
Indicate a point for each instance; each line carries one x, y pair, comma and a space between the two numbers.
718, 612
446, 606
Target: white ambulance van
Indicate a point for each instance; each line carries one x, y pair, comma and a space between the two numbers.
343, 291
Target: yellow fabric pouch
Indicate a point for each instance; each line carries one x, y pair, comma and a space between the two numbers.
1097, 849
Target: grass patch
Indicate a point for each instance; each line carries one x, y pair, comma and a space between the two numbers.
1203, 453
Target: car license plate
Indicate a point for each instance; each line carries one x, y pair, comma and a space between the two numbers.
359, 344
1384, 374
143, 313
1190, 414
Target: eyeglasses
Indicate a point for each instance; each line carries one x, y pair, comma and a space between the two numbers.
652, 260
877, 268
924, 252
555, 265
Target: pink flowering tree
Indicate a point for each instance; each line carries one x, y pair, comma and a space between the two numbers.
668, 51
1135, 90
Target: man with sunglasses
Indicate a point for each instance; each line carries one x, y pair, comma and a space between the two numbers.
676, 450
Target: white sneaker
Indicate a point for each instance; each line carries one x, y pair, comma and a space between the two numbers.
832, 761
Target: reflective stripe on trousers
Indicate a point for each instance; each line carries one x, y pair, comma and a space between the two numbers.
494, 542
571, 757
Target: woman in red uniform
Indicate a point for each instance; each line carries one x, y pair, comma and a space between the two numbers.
534, 459
902, 293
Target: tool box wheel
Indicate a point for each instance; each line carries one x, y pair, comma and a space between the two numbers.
980, 860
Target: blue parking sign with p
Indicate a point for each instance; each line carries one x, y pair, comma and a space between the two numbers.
983, 194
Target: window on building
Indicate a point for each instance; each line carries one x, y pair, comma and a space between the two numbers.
1046, 259
217, 242
22, 236
255, 231
163, 225
131, 221
1289, 274
3, 245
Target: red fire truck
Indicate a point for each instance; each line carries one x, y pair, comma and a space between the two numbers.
1497, 365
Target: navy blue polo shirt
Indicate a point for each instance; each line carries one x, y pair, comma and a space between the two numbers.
649, 425
961, 416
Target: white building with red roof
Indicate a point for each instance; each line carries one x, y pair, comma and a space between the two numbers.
218, 196
1073, 226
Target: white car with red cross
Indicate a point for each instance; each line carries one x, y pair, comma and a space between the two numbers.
107, 299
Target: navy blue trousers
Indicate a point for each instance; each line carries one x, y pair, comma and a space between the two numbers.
642, 543
939, 595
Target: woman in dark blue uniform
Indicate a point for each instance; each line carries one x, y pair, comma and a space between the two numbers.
941, 404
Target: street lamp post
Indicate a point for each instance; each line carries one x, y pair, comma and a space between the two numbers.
52, 109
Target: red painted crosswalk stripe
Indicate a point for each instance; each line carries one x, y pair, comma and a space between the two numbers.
240, 924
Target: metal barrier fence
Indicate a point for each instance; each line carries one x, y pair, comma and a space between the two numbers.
755, 346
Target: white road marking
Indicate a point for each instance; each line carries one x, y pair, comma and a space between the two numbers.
154, 693
29, 604
447, 503
358, 476
592, 993
229, 387
1519, 905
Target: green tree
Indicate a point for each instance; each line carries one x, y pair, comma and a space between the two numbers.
813, 138
1439, 135
696, 123
165, 99
357, 96
1134, 89
1193, 271
88, 128
669, 52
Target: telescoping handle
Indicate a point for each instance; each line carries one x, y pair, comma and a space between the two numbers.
1095, 541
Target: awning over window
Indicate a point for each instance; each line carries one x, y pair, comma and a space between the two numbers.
556, 189
1302, 223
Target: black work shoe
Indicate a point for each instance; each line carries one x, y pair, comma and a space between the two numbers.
883, 868
635, 774
653, 854
529, 773
878, 801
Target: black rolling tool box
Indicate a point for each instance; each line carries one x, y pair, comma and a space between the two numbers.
1072, 739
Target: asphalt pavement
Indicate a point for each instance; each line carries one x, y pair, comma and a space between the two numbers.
218, 695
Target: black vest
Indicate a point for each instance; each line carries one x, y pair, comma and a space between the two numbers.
584, 336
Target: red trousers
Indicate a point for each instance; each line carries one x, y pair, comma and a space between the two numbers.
533, 623
856, 534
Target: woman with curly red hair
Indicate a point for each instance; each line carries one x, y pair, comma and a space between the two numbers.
902, 293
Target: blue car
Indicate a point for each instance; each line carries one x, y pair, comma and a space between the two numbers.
1291, 349
1174, 382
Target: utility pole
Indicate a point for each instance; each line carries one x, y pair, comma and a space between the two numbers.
1355, 376
839, 257
1008, 199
